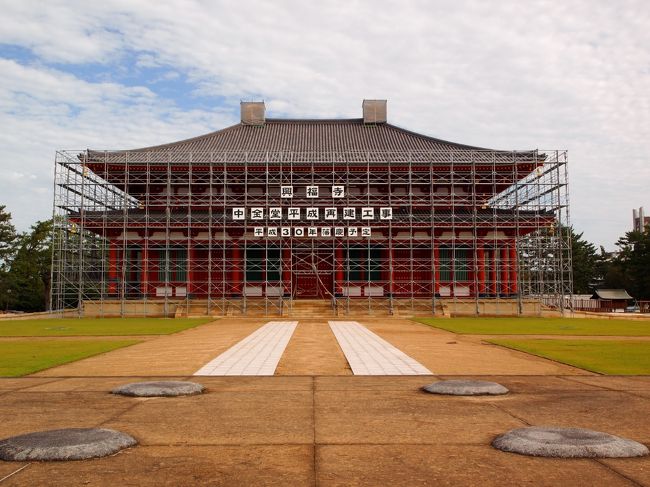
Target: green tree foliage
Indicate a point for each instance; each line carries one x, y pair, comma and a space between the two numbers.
631, 268
28, 279
7, 238
585, 260
7, 249
628, 269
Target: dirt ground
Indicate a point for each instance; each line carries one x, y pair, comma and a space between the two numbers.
312, 350
315, 424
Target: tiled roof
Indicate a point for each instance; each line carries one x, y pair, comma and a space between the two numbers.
300, 136
611, 294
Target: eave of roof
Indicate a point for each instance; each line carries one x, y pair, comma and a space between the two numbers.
611, 294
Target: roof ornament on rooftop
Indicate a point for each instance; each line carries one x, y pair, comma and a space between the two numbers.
252, 112
374, 111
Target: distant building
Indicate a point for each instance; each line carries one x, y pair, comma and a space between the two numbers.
639, 220
612, 299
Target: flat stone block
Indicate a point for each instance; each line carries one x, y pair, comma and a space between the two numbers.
466, 388
64, 444
225, 418
611, 411
452, 465
159, 389
567, 443
402, 417
182, 465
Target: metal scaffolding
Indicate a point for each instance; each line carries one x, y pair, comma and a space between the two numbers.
152, 233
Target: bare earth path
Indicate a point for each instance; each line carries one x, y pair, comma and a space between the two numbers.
179, 354
312, 350
444, 352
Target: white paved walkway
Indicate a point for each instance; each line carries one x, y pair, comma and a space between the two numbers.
257, 354
368, 354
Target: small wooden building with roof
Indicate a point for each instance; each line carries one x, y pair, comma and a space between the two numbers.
612, 299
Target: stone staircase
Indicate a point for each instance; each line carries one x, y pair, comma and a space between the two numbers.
310, 308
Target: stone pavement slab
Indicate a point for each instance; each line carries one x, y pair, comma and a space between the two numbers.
257, 354
637, 469
345, 430
614, 412
457, 465
368, 354
407, 417
8, 468
253, 383
404, 383
25, 412
277, 465
617, 383
11, 384
220, 418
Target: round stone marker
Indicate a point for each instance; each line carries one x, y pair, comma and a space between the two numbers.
567, 443
466, 388
159, 389
64, 444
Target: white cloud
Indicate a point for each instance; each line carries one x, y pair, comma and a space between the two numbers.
519, 75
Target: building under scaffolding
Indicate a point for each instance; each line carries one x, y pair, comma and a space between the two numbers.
358, 214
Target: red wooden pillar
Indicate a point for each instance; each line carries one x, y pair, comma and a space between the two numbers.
513, 268
480, 264
112, 267
235, 272
144, 272
436, 268
286, 269
505, 270
339, 269
493, 288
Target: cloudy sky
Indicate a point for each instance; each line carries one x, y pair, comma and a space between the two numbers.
503, 74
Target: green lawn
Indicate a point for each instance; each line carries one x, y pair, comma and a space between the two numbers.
541, 326
617, 357
98, 326
25, 357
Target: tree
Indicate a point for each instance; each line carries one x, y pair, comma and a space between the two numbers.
585, 261
631, 269
7, 238
29, 275
7, 250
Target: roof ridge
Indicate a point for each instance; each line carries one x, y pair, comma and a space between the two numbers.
310, 135
313, 120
